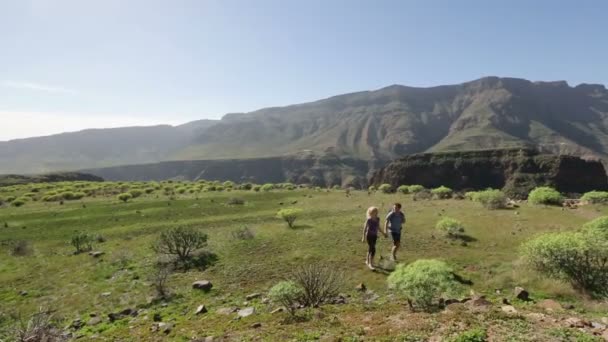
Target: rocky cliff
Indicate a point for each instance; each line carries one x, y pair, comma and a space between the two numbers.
516, 171
6, 180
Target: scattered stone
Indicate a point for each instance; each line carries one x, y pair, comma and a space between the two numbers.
163, 327
361, 287
226, 311
569, 307
604, 320
450, 301
157, 317
246, 312
23, 293
106, 294
77, 324
122, 314
94, 321
509, 309
550, 305
253, 296
277, 310
536, 316
265, 300
256, 325
96, 254
204, 285
505, 301
479, 303
200, 310
574, 322
521, 294
597, 325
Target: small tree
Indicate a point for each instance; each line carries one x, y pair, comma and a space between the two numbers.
125, 197
404, 189
161, 276
82, 242
385, 188
545, 195
319, 283
267, 187
423, 282
289, 215
286, 293
595, 197
452, 228
442, 192
180, 242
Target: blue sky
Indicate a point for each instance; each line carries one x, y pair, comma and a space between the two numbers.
71, 64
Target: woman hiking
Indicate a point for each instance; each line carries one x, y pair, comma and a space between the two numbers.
371, 228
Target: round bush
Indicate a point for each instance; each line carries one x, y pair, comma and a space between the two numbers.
423, 282
256, 188
491, 198
470, 195
135, 193
124, 197
450, 227
289, 215
545, 195
597, 227
415, 188
442, 192
595, 197
286, 293
18, 202
404, 189
385, 188
267, 187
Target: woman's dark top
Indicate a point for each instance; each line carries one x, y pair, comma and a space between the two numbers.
373, 225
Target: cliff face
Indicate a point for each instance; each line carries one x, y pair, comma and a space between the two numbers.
517, 171
6, 180
319, 170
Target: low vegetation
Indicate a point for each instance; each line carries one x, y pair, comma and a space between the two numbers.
289, 216
452, 228
180, 242
490, 198
545, 195
595, 197
442, 192
287, 294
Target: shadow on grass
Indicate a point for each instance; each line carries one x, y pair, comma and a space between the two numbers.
301, 226
462, 280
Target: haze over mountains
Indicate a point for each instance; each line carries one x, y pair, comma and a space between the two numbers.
380, 125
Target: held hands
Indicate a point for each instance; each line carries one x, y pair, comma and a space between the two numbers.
363, 239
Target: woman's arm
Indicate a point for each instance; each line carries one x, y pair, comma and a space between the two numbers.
364, 231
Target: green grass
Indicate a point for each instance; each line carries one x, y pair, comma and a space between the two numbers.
328, 230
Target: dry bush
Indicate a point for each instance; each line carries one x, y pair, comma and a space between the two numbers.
319, 283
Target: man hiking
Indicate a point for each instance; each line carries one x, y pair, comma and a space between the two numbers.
395, 220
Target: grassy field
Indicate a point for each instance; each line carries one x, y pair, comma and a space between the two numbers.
328, 231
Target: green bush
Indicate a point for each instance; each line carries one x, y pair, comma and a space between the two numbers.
491, 199
289, 215
82, 242
404, 189
18, 202
473, 335
372, 189
286, 293
246, 186
228, 184
594, 197
442, 192
336, 187
180, 242
545, 195
256, 188
415, 188
452, 228
423, 282
135, 193
125, 197
470, 195
267, 187
149, 190
385, 188
575, 257
72, 196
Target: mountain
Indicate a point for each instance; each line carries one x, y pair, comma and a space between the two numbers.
378, 125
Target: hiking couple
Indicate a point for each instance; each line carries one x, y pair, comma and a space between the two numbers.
393, 223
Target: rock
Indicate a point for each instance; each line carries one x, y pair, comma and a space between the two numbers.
96, 254
604, 320
106, 294
521, 294
605, 335
575, 322
200, 310
569, 307
226, 311
157, 317
253, 296
550, 305
77, 324
256, 325
361, 287
505, 301
597, 325
509, 309
246, 312
94, 321
204, 285
277, 310
265, 301
122, 314
163, 327
479, 301
23, 293
465, 300
536, 316
209, 339
450, 301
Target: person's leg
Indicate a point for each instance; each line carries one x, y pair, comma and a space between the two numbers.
371, 240
396, 244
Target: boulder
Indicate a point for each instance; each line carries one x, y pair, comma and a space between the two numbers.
253, 296
157, 317
246, 312
479, 302
163, 327
96, 254
201, 309
256, 325
77, 324
509, 309
226, 311
599, 326
204, 285
122, 314
550, 305
94, 321
521, 294
575, 322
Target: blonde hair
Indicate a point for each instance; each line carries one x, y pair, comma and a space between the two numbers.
370, 210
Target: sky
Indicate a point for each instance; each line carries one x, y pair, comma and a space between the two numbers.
67, 65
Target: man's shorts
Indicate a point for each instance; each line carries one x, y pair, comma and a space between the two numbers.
396, 236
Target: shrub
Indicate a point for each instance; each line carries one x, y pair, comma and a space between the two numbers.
267, 187
575, 257
473, 335
286, 293
125, 197
594, 197
404, 189
415, 188
545, 195
228, 184
82, 242
336, 187
243, 233
256, 188
235, 201
385, 188
491, 199
41, 326
180, 242
246, 186
160, 277
451, 227
442, 192
423, 281
470, 195
18, 202
372, 189
319, 283
21, 248
149, 190
135, 193
289, 215
72, 196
